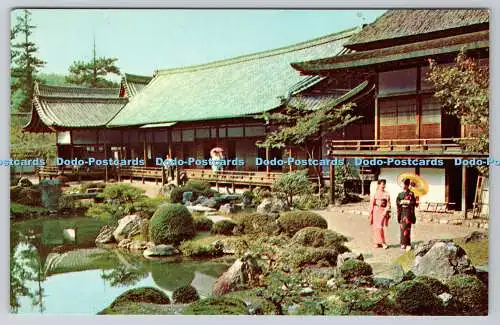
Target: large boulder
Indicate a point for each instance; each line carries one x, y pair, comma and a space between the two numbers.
24, 182
106, 235
244, 271
272, 205
128, 226
26, 195
475, 236
443, 260
161, 250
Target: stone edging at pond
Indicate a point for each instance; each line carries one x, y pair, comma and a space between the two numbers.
452, 219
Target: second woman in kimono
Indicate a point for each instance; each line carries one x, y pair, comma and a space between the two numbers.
380, 205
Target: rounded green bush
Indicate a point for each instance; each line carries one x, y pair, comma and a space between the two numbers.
256, 223
185, 295
318, 237
171, 224
415, 298
469, 292
202, 223
293, 221
217, 306
352, 269
146, 294
223, 227
434, 285
300, 256
176, 195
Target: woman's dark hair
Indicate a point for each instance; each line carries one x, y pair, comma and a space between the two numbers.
380, 181
407, 182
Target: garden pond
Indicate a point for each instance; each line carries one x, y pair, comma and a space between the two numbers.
56, 274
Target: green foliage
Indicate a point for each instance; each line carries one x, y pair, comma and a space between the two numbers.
202, 248
223, 227
469, 293
185, 295
93, 73
293, 221
18, 210
24, 61
217, 306
342, 174
292, 184
298, 256
105, 212
434, 285
310, 202
176, 195
85, 186
257, 223
353, 269
29, 145
200, 186
171, 224
353, 301
26, 195
415, 298
463, 89
197, 187
202, 223
122, 193
318, 237
150, 295
112, 211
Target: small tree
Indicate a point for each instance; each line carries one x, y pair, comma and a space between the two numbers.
301, 127
24, 62
463, 90
292, 184
92, 74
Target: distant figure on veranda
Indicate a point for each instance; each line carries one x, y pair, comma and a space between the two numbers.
217, 154
380, 205
406, 202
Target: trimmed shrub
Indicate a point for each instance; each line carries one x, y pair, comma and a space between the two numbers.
147, 294
293, 221
203, 247
171, 224
122, 193
176, 195
223, 227
309, 202
300, 256
202, 223
84, 187
217, 306
199, 186
256, 223
291, 184
469, 293
415, 298
185, 295
318, 237
352, 269
434, 285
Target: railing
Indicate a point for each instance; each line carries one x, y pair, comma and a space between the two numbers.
233, 177
443, 145
74, 173
152, 173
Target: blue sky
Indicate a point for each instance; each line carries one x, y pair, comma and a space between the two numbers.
146, 40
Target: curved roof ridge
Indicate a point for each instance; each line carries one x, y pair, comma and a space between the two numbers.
48, 91
263, 54
137, 78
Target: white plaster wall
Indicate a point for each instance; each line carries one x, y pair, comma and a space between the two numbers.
435, 177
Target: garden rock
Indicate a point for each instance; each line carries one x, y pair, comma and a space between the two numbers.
443, 260
398, 273
445, 298
306, 292
200, 200
272, 205
187, 196
128, 226
138, 245
199, 208
125, 243
229, 208
161, 250
105, 235
475, 236
244, 271
24, 182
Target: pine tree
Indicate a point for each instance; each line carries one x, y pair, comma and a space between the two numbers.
92, 74
24, 62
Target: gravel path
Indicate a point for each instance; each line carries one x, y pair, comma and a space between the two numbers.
352, 221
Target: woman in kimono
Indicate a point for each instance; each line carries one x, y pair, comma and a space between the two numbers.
406, 202
380, 204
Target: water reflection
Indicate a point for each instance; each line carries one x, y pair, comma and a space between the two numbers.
50, 276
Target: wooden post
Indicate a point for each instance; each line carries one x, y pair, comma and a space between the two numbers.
162, 174
268, 168
105, 167
290, 155
464, 192
332, 183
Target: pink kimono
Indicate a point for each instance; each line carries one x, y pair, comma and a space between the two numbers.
380, 205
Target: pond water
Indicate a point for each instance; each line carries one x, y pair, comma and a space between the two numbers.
50, 275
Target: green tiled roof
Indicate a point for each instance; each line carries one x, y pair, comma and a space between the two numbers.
72, 107
134, 83
423, 49
236, 87
403, 23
